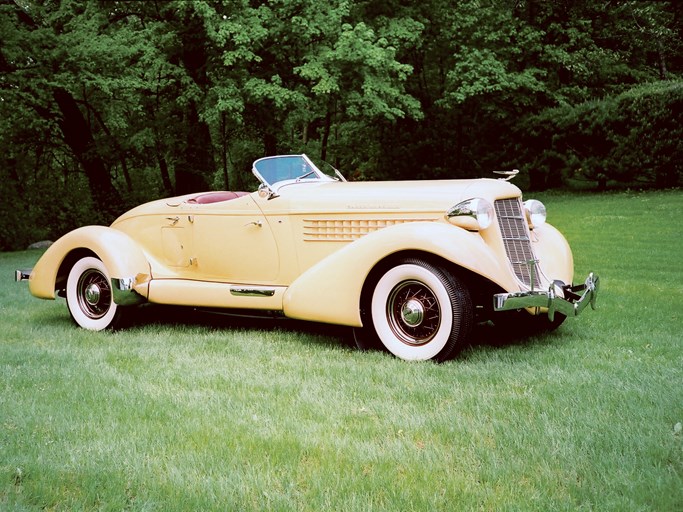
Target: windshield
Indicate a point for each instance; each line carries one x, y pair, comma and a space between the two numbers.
291, 168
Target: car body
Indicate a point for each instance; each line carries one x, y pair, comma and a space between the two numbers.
409, 265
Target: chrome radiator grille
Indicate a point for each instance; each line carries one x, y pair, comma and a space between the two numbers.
515, 233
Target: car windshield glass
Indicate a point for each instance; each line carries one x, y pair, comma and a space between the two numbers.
275, 169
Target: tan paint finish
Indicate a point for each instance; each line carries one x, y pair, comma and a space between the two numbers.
314, 245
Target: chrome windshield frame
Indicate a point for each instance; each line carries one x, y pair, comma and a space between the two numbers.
310, 173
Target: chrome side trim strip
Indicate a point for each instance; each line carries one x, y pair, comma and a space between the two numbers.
252, 291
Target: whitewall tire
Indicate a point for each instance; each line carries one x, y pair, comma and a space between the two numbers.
89, 295
419, 311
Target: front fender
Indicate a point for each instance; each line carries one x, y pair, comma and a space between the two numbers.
121, 255
554, 253
330, 290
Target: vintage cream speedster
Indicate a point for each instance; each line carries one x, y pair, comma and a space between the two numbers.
410, 265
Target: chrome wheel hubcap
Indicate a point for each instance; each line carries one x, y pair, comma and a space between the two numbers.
413, 313
93, 294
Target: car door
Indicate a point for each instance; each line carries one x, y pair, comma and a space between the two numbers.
233, 242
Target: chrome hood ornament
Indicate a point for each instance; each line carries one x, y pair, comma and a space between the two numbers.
508, 175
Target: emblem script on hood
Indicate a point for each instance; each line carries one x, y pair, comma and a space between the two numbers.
372, 207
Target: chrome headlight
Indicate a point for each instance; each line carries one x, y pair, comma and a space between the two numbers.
535, 213
475, 213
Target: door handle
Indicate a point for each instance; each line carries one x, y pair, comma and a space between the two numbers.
174, 220
256, 223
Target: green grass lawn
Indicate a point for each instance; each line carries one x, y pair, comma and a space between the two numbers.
198, 413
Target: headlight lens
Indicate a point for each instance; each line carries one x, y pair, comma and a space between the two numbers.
535, 213
476, 208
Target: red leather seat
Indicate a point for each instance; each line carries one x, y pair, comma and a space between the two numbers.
216, 197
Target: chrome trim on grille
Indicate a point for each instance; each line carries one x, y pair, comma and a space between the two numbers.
516, 238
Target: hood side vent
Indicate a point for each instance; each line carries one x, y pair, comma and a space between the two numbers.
345, 230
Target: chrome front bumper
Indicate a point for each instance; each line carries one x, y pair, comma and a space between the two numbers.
568, 300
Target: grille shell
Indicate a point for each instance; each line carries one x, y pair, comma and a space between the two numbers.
516, 237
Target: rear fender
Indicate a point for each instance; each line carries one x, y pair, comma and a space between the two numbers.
121, 255
330, 290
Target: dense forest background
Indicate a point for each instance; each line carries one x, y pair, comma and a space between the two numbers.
106, 104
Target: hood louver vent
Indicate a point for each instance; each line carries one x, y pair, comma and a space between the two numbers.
323, 230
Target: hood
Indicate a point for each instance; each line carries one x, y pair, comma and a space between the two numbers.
385, 196
401, 197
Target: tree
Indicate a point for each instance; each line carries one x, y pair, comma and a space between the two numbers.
33, 50
108, 103
634, 138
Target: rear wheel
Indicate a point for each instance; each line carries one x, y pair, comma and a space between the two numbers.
418, 311
89, 295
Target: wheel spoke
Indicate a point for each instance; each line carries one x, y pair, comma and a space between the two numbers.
413, 313
94, 294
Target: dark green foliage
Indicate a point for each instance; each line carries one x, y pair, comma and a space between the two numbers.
106, 103
634, 138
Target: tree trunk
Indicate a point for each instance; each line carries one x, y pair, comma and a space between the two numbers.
119, 150
269, 143
196, 164
79, 138
602, 181
224, 155
163, 170
196, 161
326, 133
663, 72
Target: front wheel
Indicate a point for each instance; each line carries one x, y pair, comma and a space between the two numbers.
89, 295
419, 311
